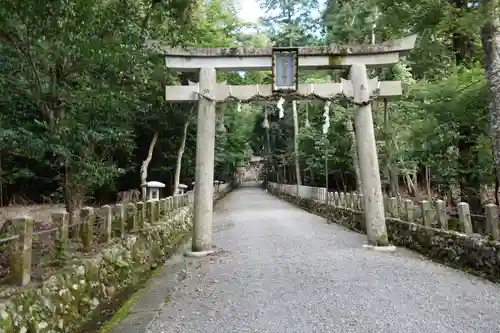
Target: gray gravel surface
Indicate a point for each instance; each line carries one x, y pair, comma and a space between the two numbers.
280, 269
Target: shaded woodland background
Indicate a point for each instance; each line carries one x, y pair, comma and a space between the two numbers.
81, 98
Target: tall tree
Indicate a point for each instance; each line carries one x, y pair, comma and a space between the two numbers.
490, 37
290, 22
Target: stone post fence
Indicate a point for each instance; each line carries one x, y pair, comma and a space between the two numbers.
24, 250
452, 235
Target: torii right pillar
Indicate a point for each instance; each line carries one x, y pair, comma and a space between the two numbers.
373, 200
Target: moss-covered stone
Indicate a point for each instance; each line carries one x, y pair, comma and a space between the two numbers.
72, 297
474, 254
65, 301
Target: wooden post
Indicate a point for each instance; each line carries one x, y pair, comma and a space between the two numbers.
296, 145
367, 152
141, 215
61, 220
386, 201
131, 216
348, 201
107, 232
165, 206
492, 221
355, 201
150, 211
441, 214
204, 174
21, 258
87, 216
430, 216
75, 226
393, 207
157, 210
464, 217
425, 206
120, 219
326, 170
409, 210
162, 205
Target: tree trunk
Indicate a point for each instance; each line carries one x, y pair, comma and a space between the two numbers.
469, 182
180, 152
296, 142
428, 182
490, 38
387, 149
497, 187
354, 152
391, 170
145, 165
74, 194
68, 193
394, 178
374, 26
1, 181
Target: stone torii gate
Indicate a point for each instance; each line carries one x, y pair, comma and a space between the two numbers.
360, 90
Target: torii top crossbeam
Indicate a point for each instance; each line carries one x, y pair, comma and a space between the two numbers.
246, 59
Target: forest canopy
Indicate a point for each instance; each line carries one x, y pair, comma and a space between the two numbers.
82, 97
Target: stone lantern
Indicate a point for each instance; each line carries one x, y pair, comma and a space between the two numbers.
153, 190
181, 189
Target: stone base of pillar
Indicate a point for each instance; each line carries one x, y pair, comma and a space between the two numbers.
197, 254
388, 248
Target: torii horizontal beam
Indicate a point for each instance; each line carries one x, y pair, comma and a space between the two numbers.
322, 57
387, 89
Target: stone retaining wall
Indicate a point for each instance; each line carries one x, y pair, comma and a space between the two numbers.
71, 297
475, 254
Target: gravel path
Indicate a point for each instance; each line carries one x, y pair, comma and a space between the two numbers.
280, 269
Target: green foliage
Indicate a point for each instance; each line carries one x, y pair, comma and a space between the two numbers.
290, 22
82, 96
441, 123
448, 33
442, 115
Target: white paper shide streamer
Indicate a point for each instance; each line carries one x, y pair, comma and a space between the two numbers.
265, 123
222, 126
307, 124
280, 107
326, 114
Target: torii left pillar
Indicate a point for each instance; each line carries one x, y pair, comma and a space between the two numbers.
205, 159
